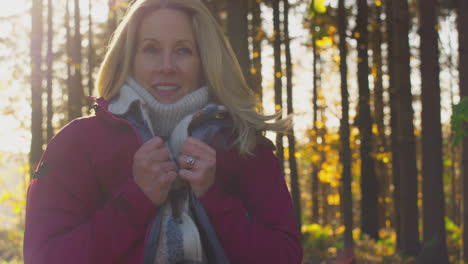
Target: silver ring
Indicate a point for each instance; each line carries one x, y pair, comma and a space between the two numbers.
190, 161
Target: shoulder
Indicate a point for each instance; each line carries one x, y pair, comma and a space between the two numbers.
83, 136
78, 130
262, 153
70, 141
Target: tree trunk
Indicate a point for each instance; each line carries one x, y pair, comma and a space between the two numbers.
315, 164
68, 48
393, 94
462, 26
278, 75
434, 249
295, 190
36, 86
405, 134
50, 60
91, 53
111, 18
76, 89
369, 213
345, 153
238, 33
381, 147
257, 38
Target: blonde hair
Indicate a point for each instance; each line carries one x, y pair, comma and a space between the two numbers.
222, 73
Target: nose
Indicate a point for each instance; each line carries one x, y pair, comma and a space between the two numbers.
167, 64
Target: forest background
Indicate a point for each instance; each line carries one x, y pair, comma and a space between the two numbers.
377, 88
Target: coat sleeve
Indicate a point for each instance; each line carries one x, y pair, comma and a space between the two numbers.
258, 226
67, 219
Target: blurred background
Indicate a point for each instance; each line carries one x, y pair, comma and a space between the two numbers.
377, 89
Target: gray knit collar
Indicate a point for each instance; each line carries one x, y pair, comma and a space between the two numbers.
162, 118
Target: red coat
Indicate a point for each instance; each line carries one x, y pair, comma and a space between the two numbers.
84, 206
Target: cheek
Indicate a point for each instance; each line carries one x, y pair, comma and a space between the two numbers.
195, 72
141, 68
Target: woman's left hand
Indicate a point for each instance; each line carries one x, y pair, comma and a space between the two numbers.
200, 174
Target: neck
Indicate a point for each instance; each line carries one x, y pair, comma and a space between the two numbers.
164, 117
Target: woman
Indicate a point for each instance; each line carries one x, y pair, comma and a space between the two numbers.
173, 167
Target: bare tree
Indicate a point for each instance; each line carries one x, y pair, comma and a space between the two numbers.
435, 249
36, 85
295, 190
369, 188
345, 153
238, 32
75, 95
278, 75
393, 121
462, 26
257, 38
380, 146
405, 130
91, 53
50, 60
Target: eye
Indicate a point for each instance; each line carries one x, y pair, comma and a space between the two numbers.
150, 49
184, 51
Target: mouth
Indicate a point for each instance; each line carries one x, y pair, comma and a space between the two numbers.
165, 87
163, 90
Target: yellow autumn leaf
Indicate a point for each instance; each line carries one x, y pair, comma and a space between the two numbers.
320, 7
325, 41
375, 129
337, 59
315, 158
319, 124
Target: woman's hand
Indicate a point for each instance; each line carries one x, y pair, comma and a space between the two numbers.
153, 170
201, 174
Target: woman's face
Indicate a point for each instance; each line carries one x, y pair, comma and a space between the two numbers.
167, 62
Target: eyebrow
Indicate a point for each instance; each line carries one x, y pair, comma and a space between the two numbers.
177, 42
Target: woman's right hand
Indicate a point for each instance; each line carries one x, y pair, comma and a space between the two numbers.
153, 170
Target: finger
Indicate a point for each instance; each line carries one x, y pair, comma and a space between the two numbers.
153, 143
163, 167
184, 161
196, 150
160, 154
197, 143
167, 179
189, 175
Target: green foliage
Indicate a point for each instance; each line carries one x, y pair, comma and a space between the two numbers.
324, 244
318, 236
453, 231
459, 120
317, 7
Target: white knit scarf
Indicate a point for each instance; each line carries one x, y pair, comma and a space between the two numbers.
179, 239
161, 118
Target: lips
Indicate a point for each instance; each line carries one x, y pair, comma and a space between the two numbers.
165, 86
165, 89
